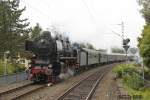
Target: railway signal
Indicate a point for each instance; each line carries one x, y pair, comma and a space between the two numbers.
126, 41
126, 47
125, 44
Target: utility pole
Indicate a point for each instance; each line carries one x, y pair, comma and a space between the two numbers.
124, 42
122, 31
122, 26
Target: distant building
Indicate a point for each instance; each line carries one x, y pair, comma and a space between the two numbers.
22, 61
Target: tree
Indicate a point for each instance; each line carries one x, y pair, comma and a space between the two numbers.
133, 50
146, 10
82, 45
144, 45
87, 45
13, 29
36, 31
117, 50
144, 40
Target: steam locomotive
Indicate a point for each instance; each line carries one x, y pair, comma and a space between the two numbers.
56, 58
52, 56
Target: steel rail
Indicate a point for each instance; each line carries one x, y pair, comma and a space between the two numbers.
71, 88
31, 91
93, 88
20, 92
15, 89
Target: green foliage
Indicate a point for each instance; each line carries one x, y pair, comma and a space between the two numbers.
129, 74
144, 40
145, 93
146, 10
13, 29
82, 45
118, 70
144, 45
133, 50
36, 31
133, 81
11, 68
117, 50
122, 69
90, 46
87, 45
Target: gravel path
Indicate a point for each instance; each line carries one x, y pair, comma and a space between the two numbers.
106, 88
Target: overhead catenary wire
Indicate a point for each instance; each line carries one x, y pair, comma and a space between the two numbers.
94, 20
48, 5
90, 12
85, 4
35, 9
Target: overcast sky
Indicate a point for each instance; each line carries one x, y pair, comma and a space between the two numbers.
88, 20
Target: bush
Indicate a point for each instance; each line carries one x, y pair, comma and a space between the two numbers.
124, 68
118, 71
133, 81
128, 73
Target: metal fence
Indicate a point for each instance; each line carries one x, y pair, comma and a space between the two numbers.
12, 78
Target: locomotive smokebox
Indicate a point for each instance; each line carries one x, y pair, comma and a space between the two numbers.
42, 46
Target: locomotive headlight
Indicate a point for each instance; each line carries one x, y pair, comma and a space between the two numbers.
50, 66
42, 41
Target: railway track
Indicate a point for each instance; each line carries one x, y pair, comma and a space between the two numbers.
84, 89
18, 92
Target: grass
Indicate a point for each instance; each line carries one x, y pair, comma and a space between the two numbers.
11, 68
